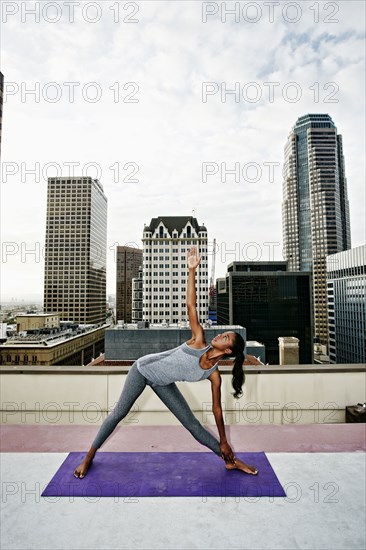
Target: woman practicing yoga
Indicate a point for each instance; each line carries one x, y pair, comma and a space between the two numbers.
191, 362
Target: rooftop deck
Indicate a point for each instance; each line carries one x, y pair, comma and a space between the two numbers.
321, 468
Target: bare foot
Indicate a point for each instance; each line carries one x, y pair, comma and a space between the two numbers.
239, 465
82, 469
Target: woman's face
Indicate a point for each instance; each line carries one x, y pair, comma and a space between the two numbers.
224, 341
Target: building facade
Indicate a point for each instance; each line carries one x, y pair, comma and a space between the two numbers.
75, 251
35, 321
315, 210
166, 242
137, 297
270, 302
129, 260
346, 281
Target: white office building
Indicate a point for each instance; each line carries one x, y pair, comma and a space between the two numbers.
166, 241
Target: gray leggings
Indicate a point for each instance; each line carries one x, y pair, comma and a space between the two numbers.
170, 395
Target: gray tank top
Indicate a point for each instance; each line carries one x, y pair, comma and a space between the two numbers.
174, 365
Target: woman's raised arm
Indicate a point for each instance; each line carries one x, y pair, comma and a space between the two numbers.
193, 262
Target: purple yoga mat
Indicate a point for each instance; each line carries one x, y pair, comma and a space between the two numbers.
164, 474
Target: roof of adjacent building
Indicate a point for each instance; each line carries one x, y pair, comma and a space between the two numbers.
172, 326
37, 314
35, 341
174, 222
132, 249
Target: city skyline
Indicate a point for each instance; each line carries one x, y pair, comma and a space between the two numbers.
178, 139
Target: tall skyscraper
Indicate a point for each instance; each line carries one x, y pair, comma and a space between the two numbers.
347, 305
129, 260
75, 251
315, 211
166, 241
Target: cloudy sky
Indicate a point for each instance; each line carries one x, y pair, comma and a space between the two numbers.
134, 92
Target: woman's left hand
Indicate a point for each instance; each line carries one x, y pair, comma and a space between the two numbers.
193, 258
227, 453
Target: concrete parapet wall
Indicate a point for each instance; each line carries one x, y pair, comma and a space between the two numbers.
75, 395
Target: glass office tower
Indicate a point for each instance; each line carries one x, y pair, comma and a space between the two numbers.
315, 211
269, 302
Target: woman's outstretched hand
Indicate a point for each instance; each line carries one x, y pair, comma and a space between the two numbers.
227, 453
193, 258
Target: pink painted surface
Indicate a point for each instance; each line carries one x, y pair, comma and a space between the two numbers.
268, 438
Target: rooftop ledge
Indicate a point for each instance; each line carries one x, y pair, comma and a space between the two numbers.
303, 394
224, 369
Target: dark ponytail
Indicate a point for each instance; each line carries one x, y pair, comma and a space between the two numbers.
238, 371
